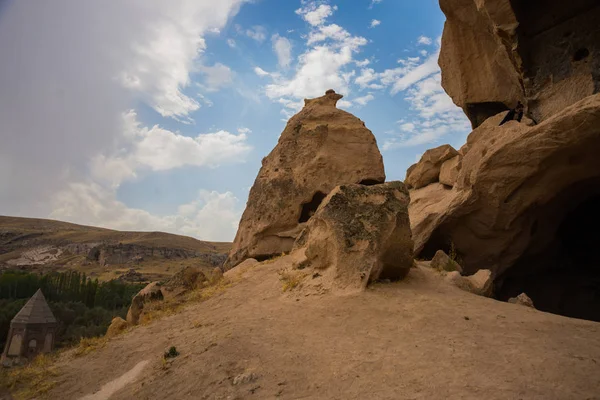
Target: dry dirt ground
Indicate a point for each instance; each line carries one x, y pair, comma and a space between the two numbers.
415, 339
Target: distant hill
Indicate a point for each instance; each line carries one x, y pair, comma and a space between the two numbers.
45, 245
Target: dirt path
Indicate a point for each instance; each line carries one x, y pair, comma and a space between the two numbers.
114, 386
416, 339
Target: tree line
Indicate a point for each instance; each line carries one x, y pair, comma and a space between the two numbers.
83, 307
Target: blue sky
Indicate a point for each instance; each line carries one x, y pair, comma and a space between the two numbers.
154, 115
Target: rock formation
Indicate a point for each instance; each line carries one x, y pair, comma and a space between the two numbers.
522, 300
523, 199
428, 169
152, 292
442, 262
358, 235
544, 53
117, 326
320, 148
481, 283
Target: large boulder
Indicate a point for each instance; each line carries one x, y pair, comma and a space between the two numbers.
320, 148
359, 234
117, 326
442, 262
152, 292
449, 171
544, 53
427, 170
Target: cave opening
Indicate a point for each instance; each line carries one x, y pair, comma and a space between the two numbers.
308, 209
479, 112
369, 182
563, 275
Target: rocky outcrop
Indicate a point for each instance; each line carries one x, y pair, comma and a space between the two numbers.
117, 326
449, 171
427, 170
522, 300
442, 262
152, 292
320, 148
544, 53
481, 283
511, 178
187, 278
358, 235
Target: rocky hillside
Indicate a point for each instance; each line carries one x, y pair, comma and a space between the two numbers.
44, 245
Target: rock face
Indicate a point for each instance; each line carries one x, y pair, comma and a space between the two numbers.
441, 261
524, 205
449, 171
320, 148
427, 170
544, 53
522, 300
152, 292
359, 234
117, 326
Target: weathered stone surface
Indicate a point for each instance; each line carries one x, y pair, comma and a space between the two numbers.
358, 235
240, 268
117, 326
427, 170
522, 300
449, 171
152, 292
516, 185
543, 53
187, 278
320, 148
441, 261
480, 284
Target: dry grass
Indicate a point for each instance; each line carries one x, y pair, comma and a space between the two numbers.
272, 260
87, 345
31, 381
290, 279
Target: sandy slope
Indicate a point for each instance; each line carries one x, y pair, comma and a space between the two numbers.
416, 339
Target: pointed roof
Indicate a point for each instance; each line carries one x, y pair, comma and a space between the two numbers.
35, 311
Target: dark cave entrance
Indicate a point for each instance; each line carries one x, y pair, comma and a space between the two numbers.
308, 209
563, 275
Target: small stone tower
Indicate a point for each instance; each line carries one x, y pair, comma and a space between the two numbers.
32, 331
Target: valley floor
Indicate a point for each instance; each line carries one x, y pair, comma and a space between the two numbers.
415, 339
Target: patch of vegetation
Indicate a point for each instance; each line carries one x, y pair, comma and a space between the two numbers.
87, 345
290, 279
171, 353
273, 259
30, 381
83, 307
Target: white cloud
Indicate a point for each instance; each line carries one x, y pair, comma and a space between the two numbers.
231, 43
217, 76
366, 79
373, 2
211, 216
324, 65
344, 104
158, 149
68, 88
364, 99
408, 127
244, 130
362, 63
374, 23
260, 72
424, 40
316, 15
414, 74
283, 50
258, 33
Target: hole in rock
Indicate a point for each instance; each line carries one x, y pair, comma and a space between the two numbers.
581, 54
308, 209
479, 112
560, 271
369, 182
